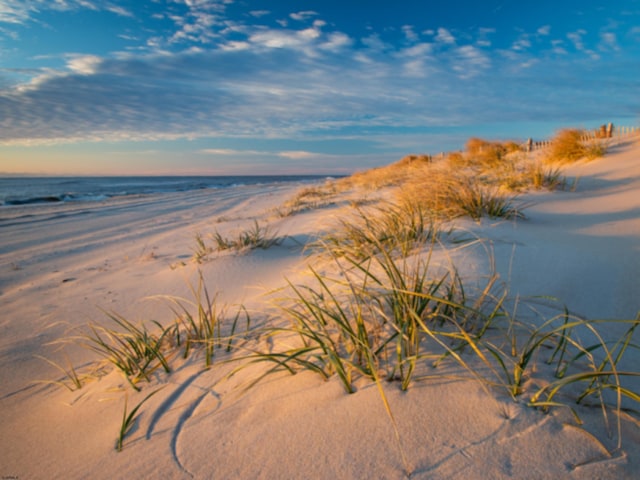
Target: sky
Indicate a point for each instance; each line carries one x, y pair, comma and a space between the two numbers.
219, 87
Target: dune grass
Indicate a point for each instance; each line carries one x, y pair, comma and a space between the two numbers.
254, 237
570, 145
251, 238
132, 349
129, 418
72, 379
137, 351
397, 227
203, 322
309, 198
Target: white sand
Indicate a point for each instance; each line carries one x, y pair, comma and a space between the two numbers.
60, 267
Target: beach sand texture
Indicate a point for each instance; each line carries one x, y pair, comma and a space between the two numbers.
63, 267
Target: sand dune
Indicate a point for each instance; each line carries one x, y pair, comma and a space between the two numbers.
62, 266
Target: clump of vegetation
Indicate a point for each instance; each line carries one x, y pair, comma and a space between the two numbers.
309, 198
415, 159
540, 176
400, 228
201, 250
209, 327
133, 349
570, 145
447, 195
489, 154
249, 239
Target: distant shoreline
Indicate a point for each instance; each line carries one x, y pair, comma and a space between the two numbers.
23, 191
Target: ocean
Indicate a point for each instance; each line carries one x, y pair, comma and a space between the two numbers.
15, 191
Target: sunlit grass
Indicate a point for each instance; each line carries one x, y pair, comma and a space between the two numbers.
570, 145
251, 238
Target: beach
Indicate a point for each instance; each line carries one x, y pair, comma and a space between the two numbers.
63, 267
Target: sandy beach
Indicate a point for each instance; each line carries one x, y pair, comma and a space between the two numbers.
64, 266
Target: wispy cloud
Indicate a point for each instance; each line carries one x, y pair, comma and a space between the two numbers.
544, 30
304, 15
84, 64
206, 75
444, 36
609, 41
299, 155
22, 11
576, 39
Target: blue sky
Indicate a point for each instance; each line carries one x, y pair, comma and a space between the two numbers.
300, 86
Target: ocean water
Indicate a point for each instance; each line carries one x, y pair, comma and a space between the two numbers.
15, 191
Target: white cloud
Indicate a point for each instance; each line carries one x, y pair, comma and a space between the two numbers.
609, 41
445, 36
409, 33
297, 154
417, 68
309, 33
259, 13
578, 42
118, 10
576, 39
418, 50
84, 64
375, 43
283, 38
470, 61
336, 41
544, 30
15, 11
523, 43
230, 152
289, 154
558, 47
483, 37
235, 45
22, 11
301, 16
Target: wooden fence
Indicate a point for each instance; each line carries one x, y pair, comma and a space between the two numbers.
604, 133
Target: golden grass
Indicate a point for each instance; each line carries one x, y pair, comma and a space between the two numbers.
570, 145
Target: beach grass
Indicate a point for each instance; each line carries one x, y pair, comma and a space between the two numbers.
132, 349
129, 418
256, 236
570, 145
202, 322
72, 379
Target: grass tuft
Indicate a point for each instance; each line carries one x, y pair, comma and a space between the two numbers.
249, 239
570, 145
